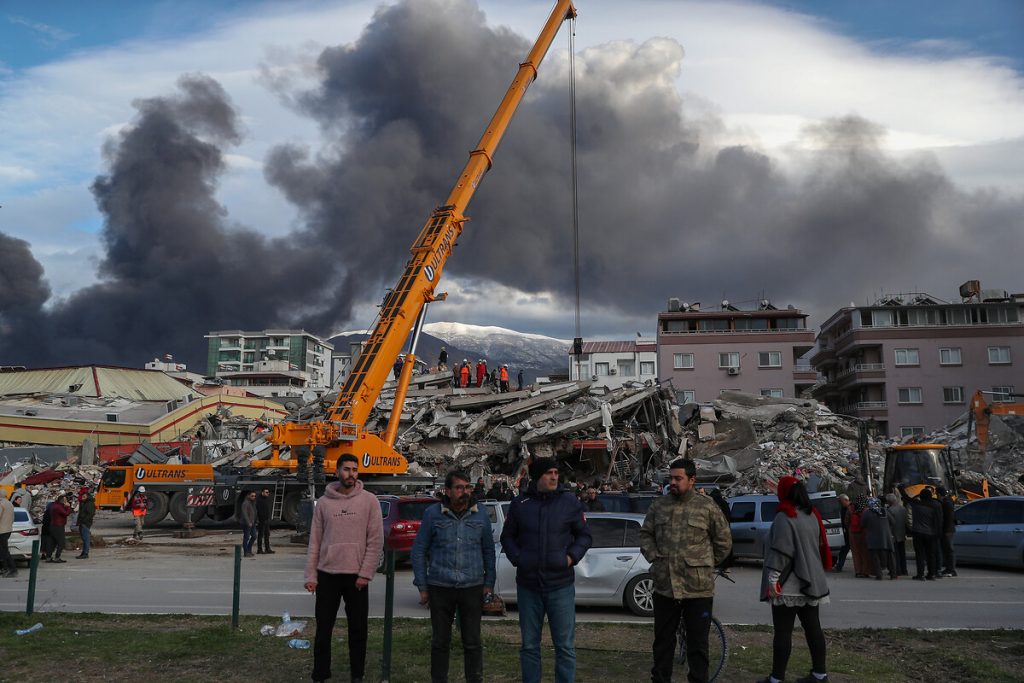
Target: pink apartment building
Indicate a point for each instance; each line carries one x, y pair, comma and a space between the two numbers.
911, 362
705, 352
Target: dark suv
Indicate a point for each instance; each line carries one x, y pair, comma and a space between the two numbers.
402, 516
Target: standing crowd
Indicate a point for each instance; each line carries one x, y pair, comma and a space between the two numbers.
685, 536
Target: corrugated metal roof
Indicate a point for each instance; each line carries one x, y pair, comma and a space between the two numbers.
95, 381
608, 347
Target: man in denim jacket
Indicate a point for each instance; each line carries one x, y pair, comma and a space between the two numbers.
453, 566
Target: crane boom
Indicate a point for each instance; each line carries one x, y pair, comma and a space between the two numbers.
342, 430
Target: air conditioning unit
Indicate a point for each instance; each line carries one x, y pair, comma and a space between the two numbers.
593, 378
733, 371
612, 371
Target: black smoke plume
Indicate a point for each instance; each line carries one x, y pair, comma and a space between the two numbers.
174, 268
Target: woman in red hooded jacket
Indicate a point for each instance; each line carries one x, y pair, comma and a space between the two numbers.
793, 580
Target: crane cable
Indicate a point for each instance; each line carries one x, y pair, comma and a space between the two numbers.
575, 182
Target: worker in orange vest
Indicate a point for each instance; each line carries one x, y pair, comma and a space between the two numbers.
464, 374
503, 379
481, 372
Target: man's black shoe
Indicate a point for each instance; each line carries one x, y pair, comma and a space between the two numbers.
269, 551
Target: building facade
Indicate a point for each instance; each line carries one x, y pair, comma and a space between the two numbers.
270, 362
611, 364
759, 351
911, 362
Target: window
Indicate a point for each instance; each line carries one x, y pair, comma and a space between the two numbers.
910, 395
647, 367
729, 359
741, 512
1008, 512
950, 356
632, 534
1003, 394
975, 513
752, 323
768, 510
607, 533
682, 361
881, 318
584, 370
773, 393
952, 394
907, 357
769, 359
627, 368
686, 396
910, 431
998, 355
601, 369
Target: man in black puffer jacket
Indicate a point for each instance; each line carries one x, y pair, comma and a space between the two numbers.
544, 537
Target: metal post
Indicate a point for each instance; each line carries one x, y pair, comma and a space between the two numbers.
32, 568
238, 586
389, 610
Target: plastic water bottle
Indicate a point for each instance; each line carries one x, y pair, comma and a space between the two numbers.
26, 631
285, 618
298, 644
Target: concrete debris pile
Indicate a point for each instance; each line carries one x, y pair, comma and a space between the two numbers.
746, 442
1002, 463
623, 433
46, 483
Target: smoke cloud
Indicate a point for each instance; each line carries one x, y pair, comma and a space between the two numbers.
667, 209
174, 268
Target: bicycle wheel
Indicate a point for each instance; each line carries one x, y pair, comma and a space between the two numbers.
718, 649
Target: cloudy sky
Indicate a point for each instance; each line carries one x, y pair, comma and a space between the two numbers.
168, 168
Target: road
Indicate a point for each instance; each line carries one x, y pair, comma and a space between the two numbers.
167, 575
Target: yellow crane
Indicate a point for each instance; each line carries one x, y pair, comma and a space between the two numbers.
341, 431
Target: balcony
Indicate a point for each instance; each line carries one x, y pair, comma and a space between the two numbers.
866, 409
862, 373
824, 356
803, 372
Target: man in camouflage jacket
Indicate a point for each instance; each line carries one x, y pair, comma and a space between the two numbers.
684, 537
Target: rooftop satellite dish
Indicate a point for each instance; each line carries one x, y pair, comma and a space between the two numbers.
725, 303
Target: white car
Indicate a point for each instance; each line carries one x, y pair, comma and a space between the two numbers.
24, 532
613, 572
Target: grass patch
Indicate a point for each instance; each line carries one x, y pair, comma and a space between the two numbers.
103, 647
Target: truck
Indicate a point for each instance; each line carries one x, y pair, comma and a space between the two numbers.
308, 449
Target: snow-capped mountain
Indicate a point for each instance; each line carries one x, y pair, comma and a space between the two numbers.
501, 345
535, 354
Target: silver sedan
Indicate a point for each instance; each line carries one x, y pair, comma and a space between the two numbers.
613, 572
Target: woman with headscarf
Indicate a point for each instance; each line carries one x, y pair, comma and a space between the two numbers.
879, 539
793, 579
858, 538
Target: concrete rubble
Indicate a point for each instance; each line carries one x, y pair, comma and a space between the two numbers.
754, 440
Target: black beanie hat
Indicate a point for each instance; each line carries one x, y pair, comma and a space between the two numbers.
541, 465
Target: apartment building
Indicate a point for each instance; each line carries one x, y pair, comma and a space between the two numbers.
911, 362
270, 362
705, 352
611, 364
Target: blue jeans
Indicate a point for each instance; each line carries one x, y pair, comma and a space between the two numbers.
248, 538
560, 606
86, 534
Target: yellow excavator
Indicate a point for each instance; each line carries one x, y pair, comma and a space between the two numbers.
317, 444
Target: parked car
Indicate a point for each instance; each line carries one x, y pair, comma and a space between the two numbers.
22, 535
991, 531
402, 516
613, 572
627, 502
750, 518
497, 511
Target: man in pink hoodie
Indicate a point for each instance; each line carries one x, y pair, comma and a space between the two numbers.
345, 542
